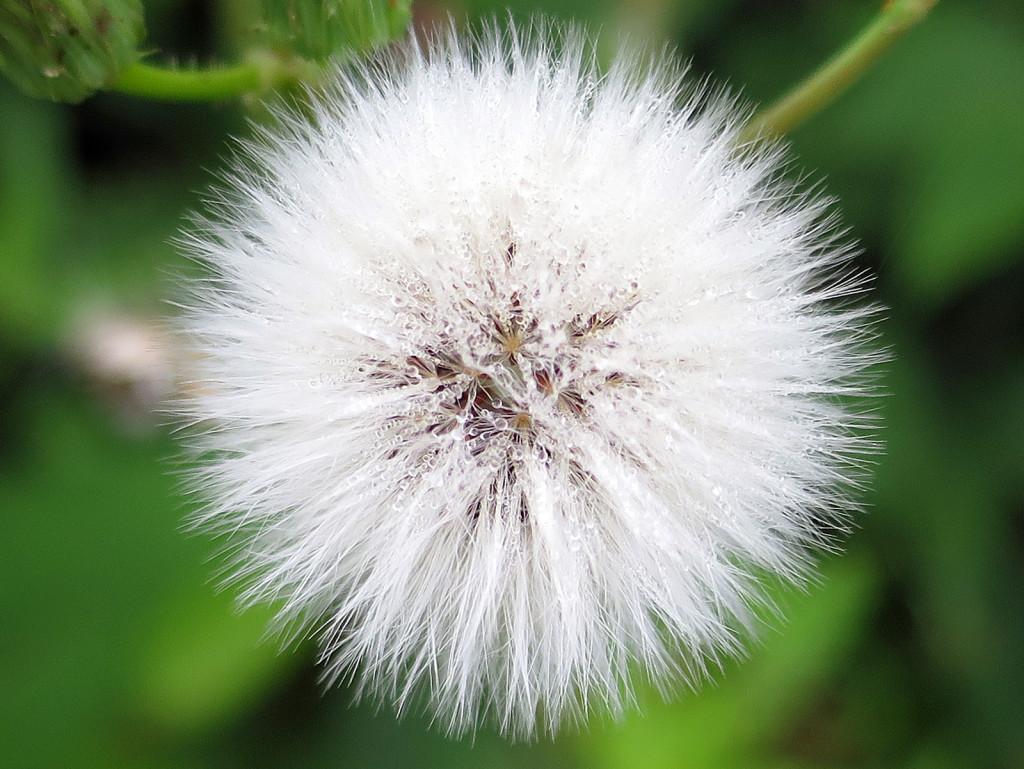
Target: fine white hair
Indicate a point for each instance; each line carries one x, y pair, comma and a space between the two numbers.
515, 377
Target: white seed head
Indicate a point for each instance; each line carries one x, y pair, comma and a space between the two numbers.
515, 376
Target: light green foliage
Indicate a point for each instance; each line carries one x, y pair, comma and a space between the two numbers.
65, 50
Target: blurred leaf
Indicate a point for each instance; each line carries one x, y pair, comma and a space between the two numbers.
88, 543
934, 135
758, 698
33, 206
205, 663
123, 252
939, 518
966, 215
992, 423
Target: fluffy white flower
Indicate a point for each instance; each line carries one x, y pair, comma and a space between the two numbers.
516, 377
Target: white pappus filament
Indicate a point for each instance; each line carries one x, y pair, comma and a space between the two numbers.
512, 374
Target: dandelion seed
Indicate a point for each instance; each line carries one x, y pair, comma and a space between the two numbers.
512, 374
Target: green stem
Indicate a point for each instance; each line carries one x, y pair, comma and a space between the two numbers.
839, 72
261, 72
212, 84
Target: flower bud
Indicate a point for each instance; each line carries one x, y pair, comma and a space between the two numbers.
65, 50
319, 29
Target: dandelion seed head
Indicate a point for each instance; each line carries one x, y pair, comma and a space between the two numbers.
512, 374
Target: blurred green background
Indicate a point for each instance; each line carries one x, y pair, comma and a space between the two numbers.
117, 651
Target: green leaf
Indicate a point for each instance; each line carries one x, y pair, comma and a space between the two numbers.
88, 545
730, 725
205, 663
933, 138
33, 206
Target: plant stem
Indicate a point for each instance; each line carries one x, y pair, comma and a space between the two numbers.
213, 84
839, 72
